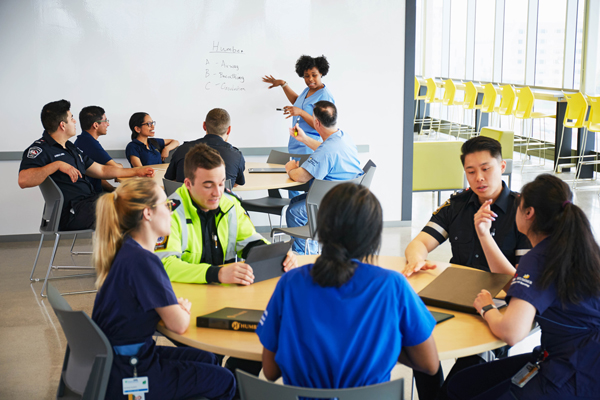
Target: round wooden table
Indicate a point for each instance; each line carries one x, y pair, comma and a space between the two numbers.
254, 181
463, 335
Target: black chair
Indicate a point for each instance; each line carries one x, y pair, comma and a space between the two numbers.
274, 203
54, 200
89, 355
253, 388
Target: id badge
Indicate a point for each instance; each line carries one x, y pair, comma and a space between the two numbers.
136, 387
525, 374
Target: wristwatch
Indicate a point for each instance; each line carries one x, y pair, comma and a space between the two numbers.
487, 308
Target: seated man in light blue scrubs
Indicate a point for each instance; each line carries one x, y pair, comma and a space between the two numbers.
336, 159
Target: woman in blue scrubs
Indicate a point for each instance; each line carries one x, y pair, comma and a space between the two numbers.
342, 322
144, 148
557, 285
134, 294
312, 70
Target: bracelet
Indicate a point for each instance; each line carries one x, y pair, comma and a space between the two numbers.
284, 85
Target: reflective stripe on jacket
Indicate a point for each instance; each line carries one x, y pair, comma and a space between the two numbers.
183, 250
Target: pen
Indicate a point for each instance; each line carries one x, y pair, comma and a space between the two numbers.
216, 243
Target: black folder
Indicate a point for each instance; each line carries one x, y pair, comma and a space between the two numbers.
267, 261
235, 319
457, 288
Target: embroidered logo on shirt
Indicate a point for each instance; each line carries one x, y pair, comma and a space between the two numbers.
59, 154
312, 162
446, 204
161, 243
522, 280
34, 152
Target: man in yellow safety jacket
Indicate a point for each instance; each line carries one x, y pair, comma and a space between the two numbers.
210, 229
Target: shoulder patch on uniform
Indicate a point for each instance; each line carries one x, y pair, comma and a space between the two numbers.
446, 204
34, 152
161, 243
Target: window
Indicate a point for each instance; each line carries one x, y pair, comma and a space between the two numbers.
550, 42
458, 39
483, 68
515, 24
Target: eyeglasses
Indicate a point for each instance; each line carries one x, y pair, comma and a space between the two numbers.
151, 123
103, 120
171, 205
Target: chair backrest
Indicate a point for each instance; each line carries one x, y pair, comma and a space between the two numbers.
524, 106
279, 157
431, 89
449, 92
507, 100
470, 96
417, 87
489, 98
317, 191
253, 388
437, 166
53, 204
506, 138
171, 186
577, 107
369, 172
593, 122
89, 355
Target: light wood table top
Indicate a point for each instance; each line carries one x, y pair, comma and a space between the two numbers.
463, 335
254, 181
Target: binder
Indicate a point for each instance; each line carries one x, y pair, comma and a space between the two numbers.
234, 319
457, 288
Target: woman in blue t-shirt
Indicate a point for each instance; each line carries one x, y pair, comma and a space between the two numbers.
144, 148
312, 70
556, 285
342, 322
134, 294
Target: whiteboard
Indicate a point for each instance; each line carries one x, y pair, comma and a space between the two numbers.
178, 59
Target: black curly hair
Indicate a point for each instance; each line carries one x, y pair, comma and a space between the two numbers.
307, 62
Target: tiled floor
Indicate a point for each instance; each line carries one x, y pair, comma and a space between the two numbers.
34, 345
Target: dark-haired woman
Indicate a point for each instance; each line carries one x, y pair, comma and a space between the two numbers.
144, 149
557, 285
342, 322
312, 70
134, 294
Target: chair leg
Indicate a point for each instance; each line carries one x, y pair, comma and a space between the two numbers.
36, 259
56, 240
412, 388
270, 224
76, 253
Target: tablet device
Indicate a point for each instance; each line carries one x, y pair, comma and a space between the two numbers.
267, 261
440, 316
267, 170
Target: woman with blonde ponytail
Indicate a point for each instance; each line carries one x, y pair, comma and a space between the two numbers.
556, 285
134, 294
341, 322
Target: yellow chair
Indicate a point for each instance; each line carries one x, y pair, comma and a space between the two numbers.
488, 103
449, 100
470, 102
574, 119
524, 111
429, 98
437, 166
506, 138
417, 99
507, 103
592, 124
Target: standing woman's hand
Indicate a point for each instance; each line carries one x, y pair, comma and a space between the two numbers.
274, 82
291, 111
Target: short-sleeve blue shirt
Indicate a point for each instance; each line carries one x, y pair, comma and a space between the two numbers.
148, 155
136, 285
307, 104
94, 150
570, 334
329, 337
336, 159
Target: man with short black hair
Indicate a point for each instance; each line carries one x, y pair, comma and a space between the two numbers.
94, 124
336, 159
218, 128
55, 156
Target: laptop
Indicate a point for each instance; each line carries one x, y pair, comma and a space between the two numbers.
267, 170
457, 288
267, 261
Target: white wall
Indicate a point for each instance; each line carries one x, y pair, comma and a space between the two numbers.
152, 56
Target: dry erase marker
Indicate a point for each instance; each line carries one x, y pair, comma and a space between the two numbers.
296, 130
279, 109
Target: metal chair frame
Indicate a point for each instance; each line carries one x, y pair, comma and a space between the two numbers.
54, 201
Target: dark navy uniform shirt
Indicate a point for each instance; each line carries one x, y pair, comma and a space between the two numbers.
233, 158
455, 220
45, 151
148, 155
94, 150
